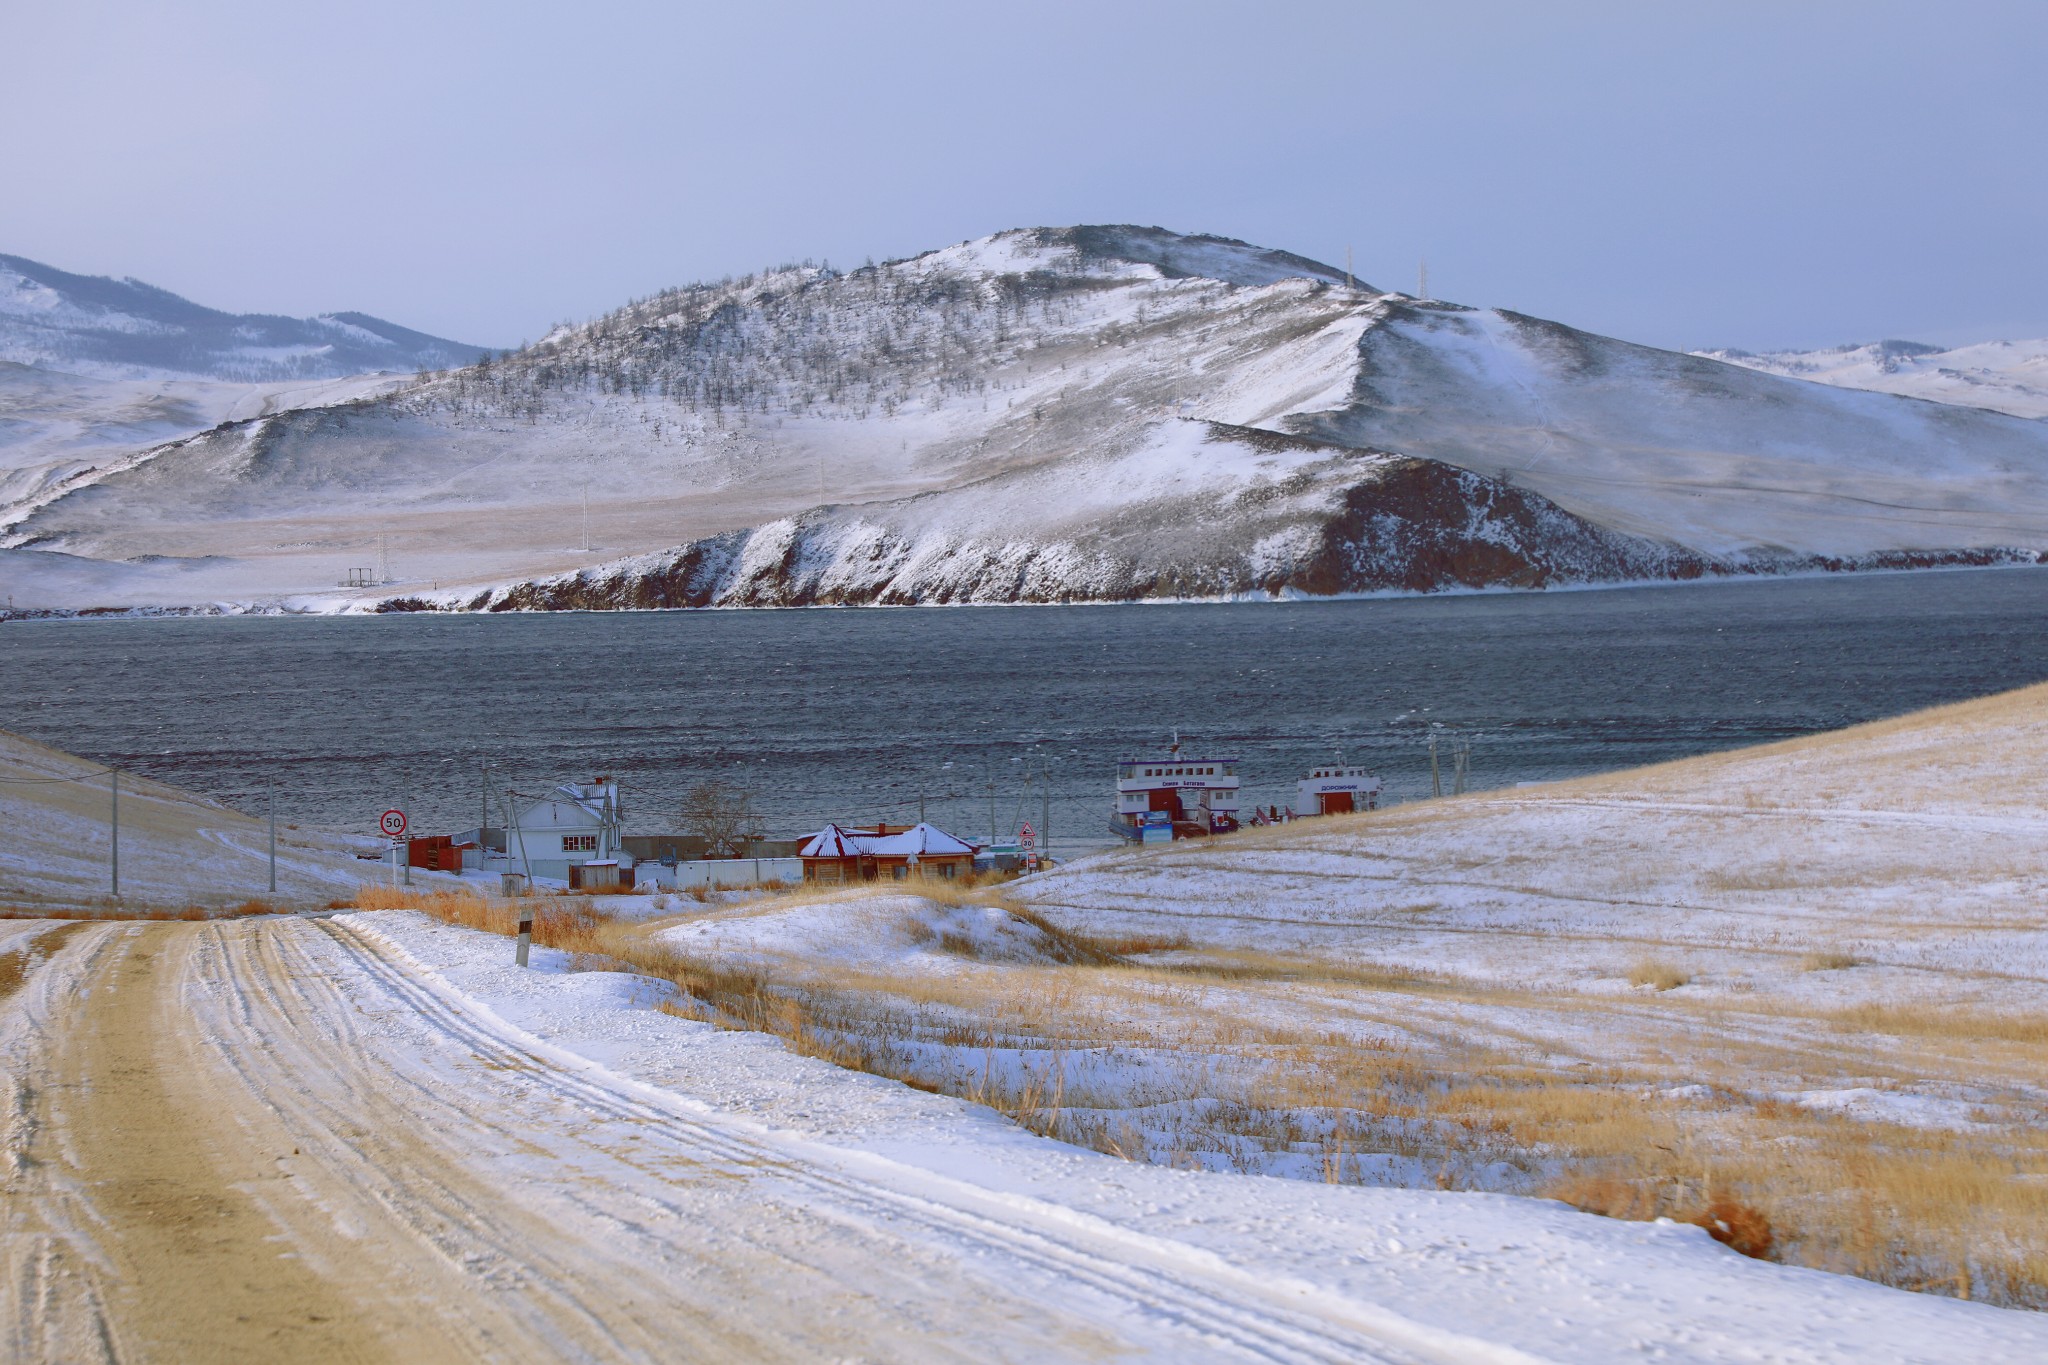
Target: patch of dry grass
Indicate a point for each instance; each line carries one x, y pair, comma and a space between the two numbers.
570, 923
1942, 1023
114, 910
1658, 976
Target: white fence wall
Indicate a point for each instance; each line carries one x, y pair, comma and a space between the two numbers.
717, 872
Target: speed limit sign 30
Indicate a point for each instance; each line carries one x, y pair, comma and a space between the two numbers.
392, 822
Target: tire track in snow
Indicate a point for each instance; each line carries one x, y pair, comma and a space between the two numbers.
1224, 1309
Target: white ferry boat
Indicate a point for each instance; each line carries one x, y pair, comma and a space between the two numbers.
1337, 791
1161, 799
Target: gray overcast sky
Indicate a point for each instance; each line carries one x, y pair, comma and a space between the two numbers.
1798, 172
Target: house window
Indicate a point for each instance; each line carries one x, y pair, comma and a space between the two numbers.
947, 870
579, 843
900, 873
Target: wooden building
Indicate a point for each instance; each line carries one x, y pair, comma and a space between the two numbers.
886, 852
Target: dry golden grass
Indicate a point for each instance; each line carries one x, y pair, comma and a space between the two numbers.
1258, 1058
1945, 1023
114, 910
1661, 976
569, 923
1954, 1212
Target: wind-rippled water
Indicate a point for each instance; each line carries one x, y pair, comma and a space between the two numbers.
855, 715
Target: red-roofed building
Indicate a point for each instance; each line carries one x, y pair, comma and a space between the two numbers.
886, 852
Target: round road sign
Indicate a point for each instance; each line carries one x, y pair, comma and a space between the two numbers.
392, 822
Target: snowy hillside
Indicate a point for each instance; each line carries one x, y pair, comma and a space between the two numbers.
1715, 457
1045, 414
1231, 511
2005, 376
57, 428
125, 329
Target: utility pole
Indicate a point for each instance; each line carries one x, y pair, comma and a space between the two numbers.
273, 836
407, 842
1045, 816
518, 835
1349, 283
114, 845
991, 803
1436, 782
483, 805
1422, 279
586, 519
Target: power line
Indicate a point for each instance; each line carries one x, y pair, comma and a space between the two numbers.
31, 781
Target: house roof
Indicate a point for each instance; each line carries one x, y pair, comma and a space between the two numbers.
571, 805
922, 840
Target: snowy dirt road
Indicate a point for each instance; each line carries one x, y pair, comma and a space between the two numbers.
247, 1140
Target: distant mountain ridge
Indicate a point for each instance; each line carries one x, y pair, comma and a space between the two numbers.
2004, 376
126, 329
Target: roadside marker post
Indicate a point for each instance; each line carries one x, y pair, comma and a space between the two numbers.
525, 939
114, 843
392, 825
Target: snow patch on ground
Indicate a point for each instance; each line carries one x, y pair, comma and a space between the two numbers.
1448, 1276
901, 933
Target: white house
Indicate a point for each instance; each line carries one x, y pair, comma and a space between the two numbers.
574, 824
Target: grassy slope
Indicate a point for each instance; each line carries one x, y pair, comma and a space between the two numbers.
1801, 984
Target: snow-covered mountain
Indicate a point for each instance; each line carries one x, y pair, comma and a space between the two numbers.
1228, 512
128, 330
1070, 413
2005, 376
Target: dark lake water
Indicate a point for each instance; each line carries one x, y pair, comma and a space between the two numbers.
855, 715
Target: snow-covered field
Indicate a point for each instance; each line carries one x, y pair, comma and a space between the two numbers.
455, 1157
1809, 978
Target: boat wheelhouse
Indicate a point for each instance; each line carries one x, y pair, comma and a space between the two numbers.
1337, 791
1160, 799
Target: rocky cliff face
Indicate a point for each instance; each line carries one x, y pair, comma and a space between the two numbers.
1289, 517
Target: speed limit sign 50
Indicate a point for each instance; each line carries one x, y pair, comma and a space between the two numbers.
392, 822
